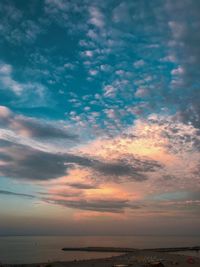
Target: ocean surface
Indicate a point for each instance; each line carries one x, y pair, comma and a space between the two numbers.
35, 249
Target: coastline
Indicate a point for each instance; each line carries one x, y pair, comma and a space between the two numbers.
137, 258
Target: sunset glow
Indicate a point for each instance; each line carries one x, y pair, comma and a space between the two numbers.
99, 117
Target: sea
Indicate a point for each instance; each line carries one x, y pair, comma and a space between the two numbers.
38, 249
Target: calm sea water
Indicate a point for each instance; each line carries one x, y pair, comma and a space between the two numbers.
33, 249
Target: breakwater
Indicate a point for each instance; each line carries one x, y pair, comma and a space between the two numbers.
128, 250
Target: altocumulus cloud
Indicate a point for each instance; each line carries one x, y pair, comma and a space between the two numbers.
184, 46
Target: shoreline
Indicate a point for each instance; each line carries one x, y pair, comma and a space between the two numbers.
138, 258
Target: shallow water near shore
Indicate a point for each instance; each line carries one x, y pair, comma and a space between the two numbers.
33, 249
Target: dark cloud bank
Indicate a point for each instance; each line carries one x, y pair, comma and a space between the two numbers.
23, 162
100, 205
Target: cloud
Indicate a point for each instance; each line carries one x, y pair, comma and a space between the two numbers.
185, 196
27, 126
156, 148
141, 92
31, 164
127, 164
128, 60
15, 27
122, 13
22, 92
53, 6
42, 129
130, 167
62, 13
154, 157
180, 137
96, 17
184, 44
82, 185
99, 205
24, 162
139, 63
10, 193
7, 81
5, 115
109, 91
61, 194
77, 200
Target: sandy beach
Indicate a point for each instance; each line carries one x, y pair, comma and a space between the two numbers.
135, 259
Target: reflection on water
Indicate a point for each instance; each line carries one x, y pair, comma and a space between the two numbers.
44, 248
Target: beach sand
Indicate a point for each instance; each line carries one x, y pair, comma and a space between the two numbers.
134, 259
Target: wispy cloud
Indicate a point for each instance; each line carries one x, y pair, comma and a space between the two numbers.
99, 205
22, 92
7, 81
30, 127
10, 193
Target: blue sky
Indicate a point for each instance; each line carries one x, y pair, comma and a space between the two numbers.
99, 111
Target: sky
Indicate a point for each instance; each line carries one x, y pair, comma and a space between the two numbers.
99, 117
